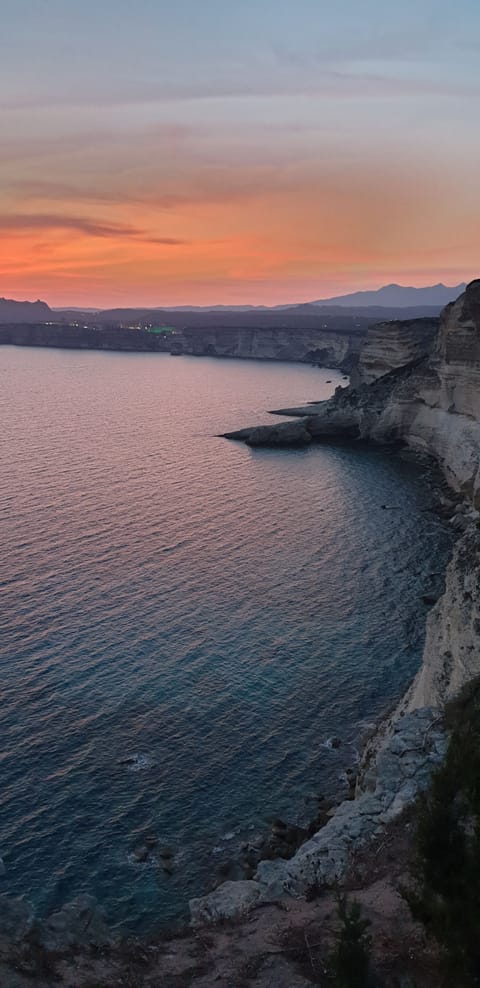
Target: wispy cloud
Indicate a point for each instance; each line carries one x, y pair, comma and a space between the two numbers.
18, 223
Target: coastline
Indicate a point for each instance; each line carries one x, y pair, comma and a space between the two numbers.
428, 404
409, 743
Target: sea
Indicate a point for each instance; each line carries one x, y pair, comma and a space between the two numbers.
195, 635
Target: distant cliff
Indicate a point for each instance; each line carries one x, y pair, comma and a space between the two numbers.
81, 337
324, 346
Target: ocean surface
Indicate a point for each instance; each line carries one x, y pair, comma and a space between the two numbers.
214, 613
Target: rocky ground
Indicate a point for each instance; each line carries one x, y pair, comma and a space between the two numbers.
283, 945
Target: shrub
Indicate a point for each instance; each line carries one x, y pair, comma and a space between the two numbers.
350, 959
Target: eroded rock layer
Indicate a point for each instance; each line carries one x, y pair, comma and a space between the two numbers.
326, 347
389, 345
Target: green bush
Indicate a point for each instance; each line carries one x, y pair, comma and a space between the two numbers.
350, 960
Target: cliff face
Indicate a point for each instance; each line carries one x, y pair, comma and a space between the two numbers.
432, 404
451, 656
389, 345
330, 348
335, 348
81, 337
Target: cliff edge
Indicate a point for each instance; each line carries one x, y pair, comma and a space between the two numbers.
431, 403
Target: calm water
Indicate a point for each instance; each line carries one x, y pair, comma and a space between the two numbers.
215, 611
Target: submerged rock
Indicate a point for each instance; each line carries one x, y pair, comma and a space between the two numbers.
141, 853
165, 853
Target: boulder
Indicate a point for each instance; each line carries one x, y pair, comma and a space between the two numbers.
228, 901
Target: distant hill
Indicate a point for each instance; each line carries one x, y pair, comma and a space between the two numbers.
347, 312
397, 296
11, 311
73, 308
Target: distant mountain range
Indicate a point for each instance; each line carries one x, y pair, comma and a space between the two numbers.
397, 296
389, 302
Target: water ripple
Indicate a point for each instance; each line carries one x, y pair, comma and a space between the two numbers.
185, 622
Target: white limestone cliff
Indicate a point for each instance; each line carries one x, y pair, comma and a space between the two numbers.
432, 405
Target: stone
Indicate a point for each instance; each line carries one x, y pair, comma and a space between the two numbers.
151, 840
230, 901
79, 923
165, 852
141, 853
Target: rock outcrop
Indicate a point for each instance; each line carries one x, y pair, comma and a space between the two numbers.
284, 434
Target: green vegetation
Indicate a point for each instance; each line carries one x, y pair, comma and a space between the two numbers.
446, 898
160, 330
350, 960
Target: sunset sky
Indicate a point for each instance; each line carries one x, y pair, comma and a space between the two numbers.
234, 151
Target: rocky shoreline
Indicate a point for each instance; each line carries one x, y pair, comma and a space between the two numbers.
431, 405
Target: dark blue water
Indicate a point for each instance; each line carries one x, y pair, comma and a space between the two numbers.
215, 611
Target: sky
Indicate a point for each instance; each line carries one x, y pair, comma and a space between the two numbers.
236, 151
